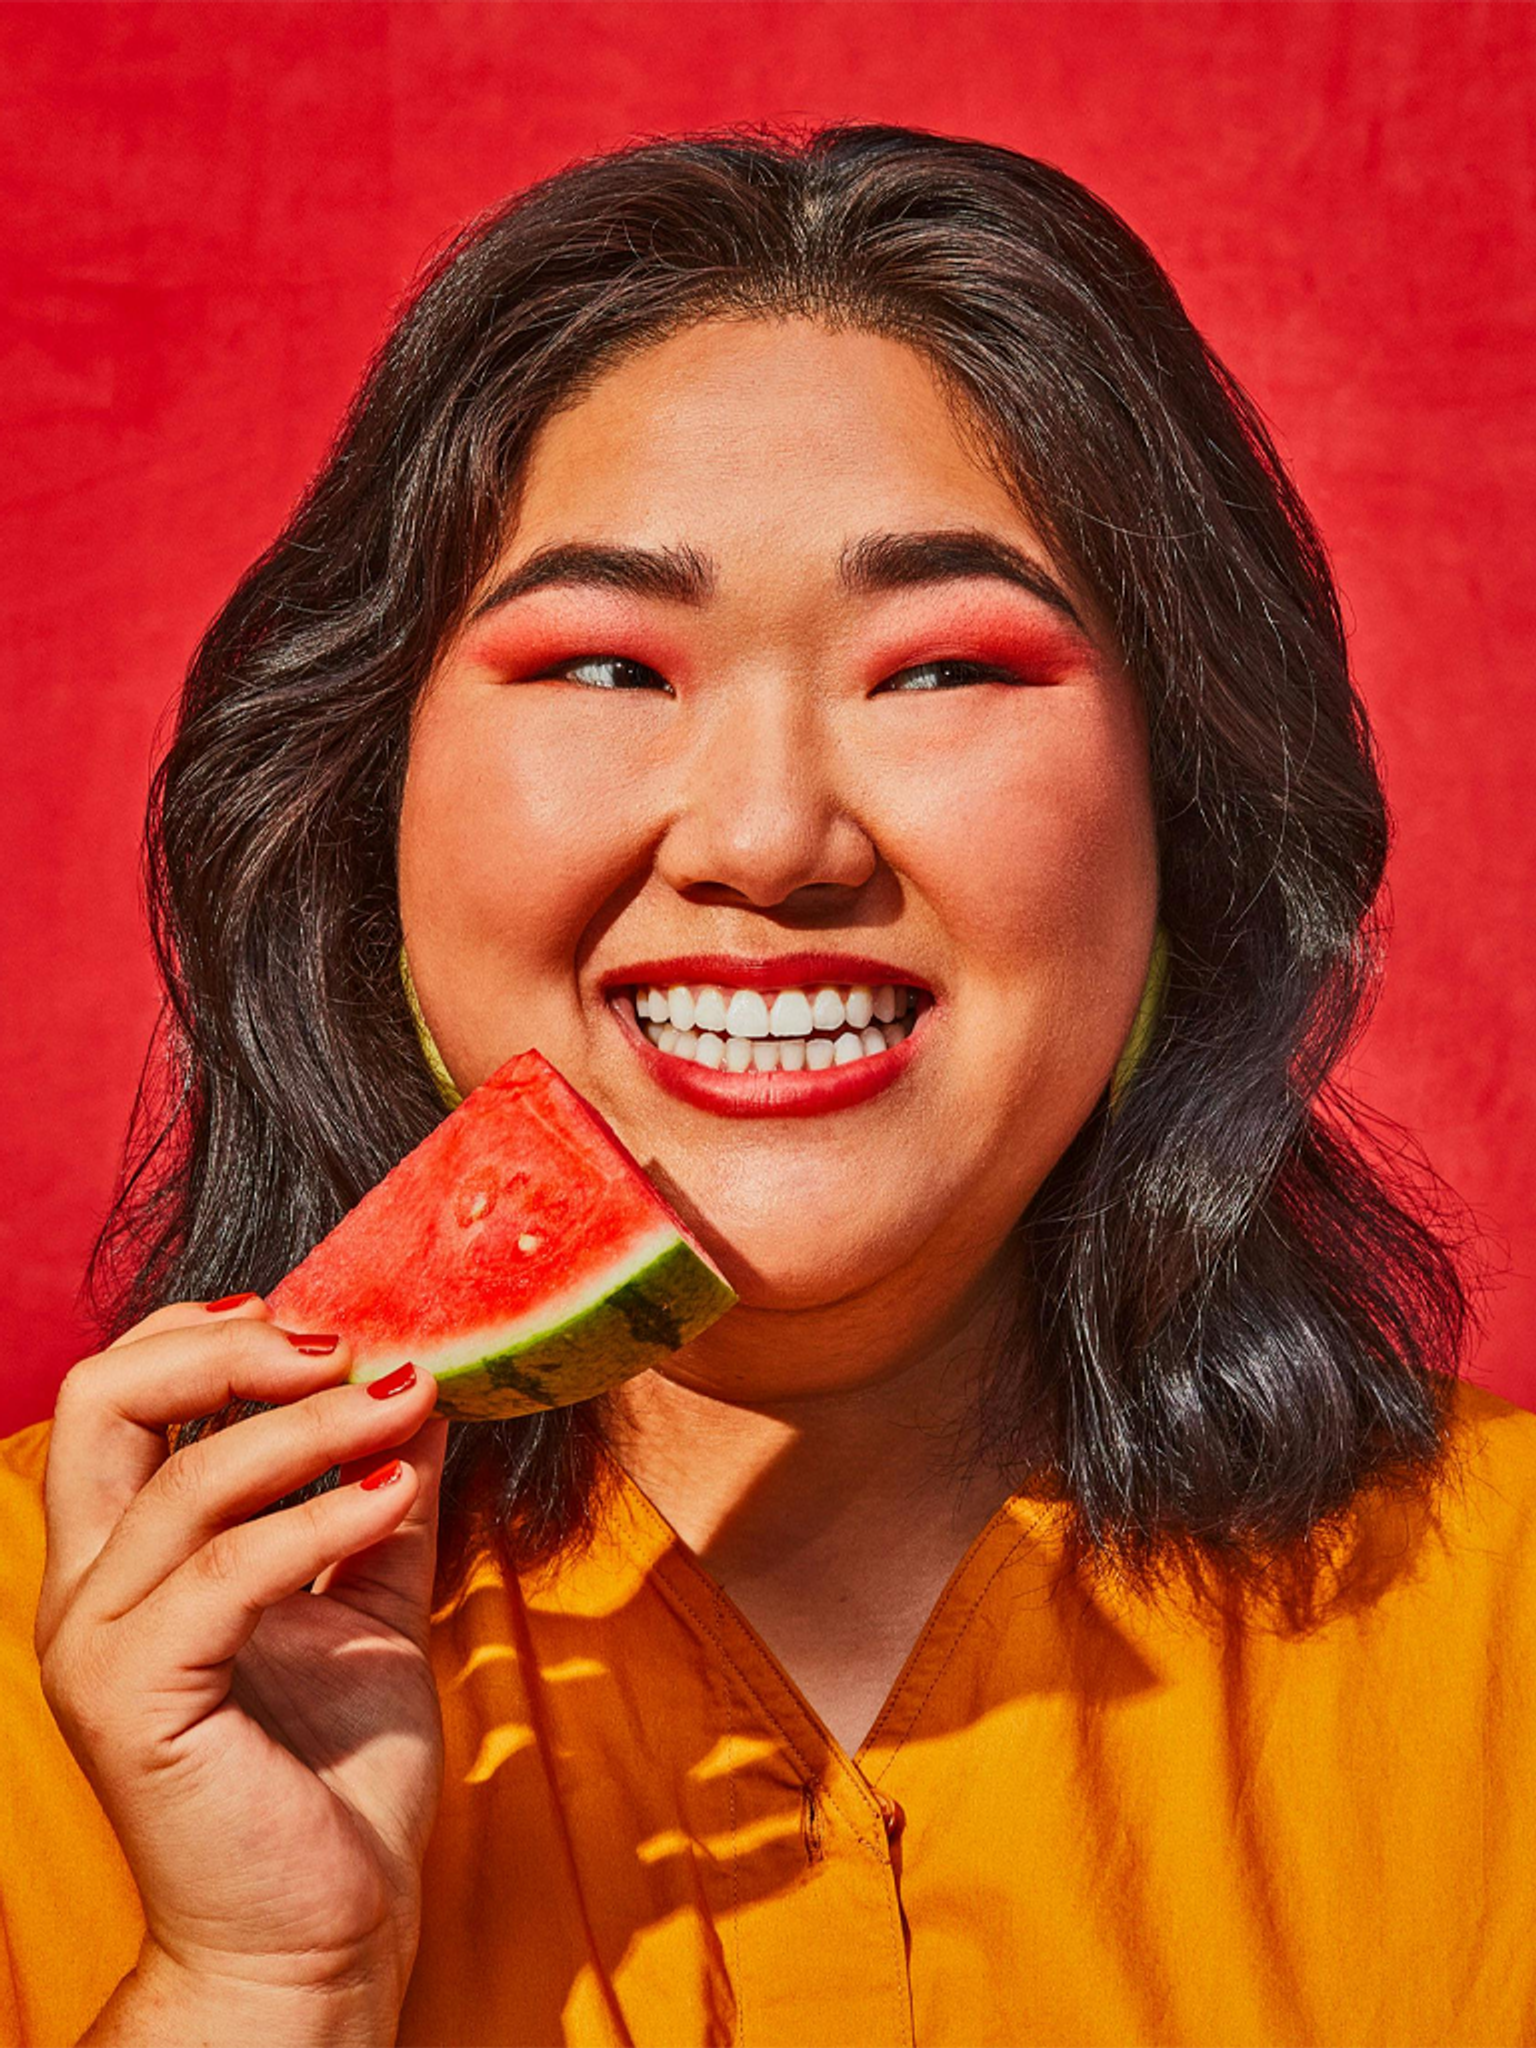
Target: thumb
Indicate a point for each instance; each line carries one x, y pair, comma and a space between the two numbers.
392, 1579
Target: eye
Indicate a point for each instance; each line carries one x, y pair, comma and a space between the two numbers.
625, 674
948, 675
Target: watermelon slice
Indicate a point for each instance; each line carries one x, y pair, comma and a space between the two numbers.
519, 1254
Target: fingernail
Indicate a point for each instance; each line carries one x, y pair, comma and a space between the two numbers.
394, 1382
381, 1475
314, 1344
229, 1301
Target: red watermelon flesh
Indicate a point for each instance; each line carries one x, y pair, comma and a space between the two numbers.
519, 1254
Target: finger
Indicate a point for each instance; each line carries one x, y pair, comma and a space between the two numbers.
188, 1315
113, 1489
223, 1480
392, 1580
108, 1435
178, 1647
180, 1315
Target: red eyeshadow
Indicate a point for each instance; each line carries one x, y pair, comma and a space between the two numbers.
1042, 647
556, 627
526, 647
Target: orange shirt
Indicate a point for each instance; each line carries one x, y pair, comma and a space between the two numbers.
1081, 1817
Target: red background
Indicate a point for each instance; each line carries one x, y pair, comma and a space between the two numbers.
207, 211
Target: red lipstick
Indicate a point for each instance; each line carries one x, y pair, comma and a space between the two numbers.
804, 1092
738, 970
780, 1094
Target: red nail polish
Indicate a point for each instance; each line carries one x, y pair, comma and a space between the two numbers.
381, 1475
229, 1301
394, 1382
313, 1343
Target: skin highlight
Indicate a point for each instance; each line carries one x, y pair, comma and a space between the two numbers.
777, 773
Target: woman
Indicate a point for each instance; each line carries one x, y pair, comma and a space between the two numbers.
1072, 1597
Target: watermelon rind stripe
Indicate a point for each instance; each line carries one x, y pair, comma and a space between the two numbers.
629, 1320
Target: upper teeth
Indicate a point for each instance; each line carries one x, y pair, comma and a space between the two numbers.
788, 1013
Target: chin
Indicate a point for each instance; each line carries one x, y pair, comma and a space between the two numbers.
808, 1268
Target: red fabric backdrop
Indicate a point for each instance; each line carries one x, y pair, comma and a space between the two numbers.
206, 212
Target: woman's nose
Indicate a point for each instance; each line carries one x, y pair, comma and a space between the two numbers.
764, 811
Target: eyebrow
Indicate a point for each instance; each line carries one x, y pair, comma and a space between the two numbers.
877, 562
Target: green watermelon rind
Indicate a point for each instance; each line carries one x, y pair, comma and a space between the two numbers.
625, 1329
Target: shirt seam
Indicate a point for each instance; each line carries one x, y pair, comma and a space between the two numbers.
903, 1999
888, 1716
659, 1569
741, 1982
701, 1621
959, 1636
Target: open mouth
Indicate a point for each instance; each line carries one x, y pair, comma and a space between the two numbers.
805, 1029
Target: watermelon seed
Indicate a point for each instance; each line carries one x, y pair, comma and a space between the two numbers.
476, 1200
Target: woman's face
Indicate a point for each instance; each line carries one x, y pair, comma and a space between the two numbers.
792, 750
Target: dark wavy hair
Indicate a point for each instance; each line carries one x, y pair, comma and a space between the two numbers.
1241, 1306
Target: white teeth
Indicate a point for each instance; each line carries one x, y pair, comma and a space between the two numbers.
747, 1015
827, 1010
790, 1016
709, 1009
750, 1033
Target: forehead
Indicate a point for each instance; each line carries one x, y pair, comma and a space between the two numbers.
771, 439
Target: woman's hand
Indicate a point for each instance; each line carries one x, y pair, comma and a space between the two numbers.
269, 1756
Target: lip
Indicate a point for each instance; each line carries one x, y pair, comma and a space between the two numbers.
776, 1094
738, 970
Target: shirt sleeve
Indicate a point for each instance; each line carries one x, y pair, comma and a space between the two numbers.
71, 1921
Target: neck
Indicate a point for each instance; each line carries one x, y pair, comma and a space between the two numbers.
774, 1421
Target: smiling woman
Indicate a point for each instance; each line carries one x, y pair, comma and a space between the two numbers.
855, 704
806, 635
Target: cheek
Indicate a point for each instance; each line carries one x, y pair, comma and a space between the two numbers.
519, 819
1036, 847
1032, 832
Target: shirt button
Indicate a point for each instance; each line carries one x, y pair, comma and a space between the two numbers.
891, 1813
